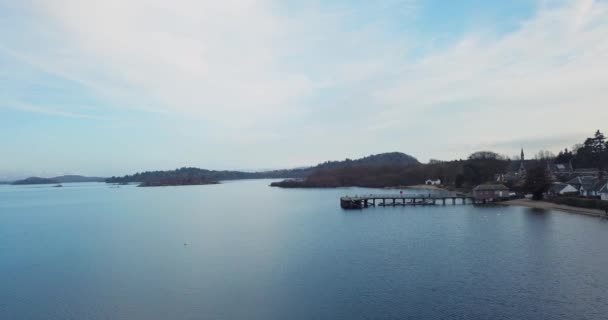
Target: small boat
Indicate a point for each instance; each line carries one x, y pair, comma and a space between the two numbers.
57, 186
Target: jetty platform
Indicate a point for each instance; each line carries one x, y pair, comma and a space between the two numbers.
393, 200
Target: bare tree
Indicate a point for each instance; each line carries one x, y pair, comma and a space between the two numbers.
545, 155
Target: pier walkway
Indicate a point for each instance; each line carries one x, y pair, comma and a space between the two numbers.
393, 200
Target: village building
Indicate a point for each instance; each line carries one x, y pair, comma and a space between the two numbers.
590, 172
604, 192
596, 190
491, 192
584, 184
560, 171
516, 174
563, 175
562, 189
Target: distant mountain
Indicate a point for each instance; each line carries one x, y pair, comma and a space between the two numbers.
76, 178
35, 180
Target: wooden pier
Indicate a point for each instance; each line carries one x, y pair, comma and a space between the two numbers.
394, 200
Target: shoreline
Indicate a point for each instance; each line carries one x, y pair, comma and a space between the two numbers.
419, 187
555, 206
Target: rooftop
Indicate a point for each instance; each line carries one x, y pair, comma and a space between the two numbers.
490, 187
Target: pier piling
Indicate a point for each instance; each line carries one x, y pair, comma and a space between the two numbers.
361, 202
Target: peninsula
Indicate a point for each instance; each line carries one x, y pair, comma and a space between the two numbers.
196, 176
35, 180
57, 180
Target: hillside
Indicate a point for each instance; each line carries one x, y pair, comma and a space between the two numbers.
380, 170
382, 159
459, 173
35, 180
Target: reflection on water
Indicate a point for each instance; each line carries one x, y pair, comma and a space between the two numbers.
88, 251
538, 211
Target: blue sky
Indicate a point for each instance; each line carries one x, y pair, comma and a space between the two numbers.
113, 87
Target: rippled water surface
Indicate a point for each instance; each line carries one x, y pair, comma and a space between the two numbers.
242, 250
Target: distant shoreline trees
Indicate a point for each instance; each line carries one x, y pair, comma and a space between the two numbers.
35, 180
593, 153
480, 167
459, 173
397, 169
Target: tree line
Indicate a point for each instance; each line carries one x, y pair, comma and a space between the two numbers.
593, 153
480, 167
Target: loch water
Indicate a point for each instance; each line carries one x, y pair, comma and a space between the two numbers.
243, 250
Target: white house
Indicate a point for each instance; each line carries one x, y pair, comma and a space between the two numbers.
562, 189
433, 182
600, 189
584, 184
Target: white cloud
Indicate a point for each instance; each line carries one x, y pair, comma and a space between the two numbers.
256, 65
206, 58
549, 76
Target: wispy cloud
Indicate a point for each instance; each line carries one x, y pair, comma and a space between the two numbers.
241, 59
262, 71
546, 77
44, 109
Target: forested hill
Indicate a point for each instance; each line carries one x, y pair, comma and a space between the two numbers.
203, 175
210, 176
377, 160
459, 173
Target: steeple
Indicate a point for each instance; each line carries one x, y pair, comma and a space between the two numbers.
522, 168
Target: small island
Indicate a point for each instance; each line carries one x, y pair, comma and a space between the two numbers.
188, 176
56, 180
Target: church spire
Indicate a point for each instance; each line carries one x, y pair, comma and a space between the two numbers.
522, 168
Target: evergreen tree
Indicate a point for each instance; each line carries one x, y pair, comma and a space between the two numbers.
593, 153
564, 156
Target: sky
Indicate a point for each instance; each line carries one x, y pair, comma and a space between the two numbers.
118, 86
